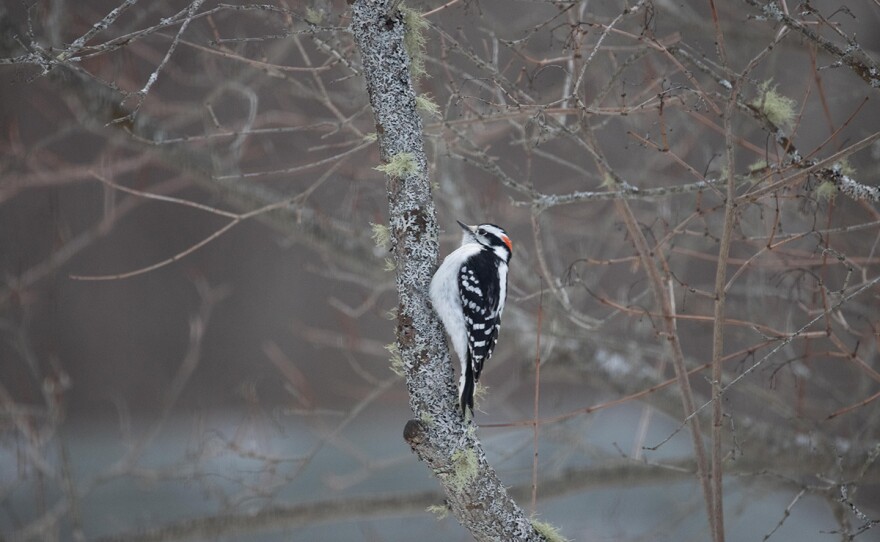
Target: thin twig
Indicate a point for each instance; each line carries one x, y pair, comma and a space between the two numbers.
646, 257
142, 93
782, 344
785, 514
536, 417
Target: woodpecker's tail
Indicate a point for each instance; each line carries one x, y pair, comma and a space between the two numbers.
467, 389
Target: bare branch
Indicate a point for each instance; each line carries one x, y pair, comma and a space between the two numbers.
853, 55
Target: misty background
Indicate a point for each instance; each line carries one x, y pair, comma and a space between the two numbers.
248, 375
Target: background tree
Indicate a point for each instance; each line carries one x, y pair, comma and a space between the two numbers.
195, 316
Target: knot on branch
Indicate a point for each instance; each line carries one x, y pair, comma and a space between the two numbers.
414, 433
406, 333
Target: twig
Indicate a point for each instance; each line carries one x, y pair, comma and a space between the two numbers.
101, 25
785, 514
440, 8
236, 219
536, 418
853, 55
627, 398
198, 324
646, 257
605, 30
142, 93
286, 171
790, 337
584, 321
850, 408
815, 167
719, 314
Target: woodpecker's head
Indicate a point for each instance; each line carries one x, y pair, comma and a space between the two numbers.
490, 236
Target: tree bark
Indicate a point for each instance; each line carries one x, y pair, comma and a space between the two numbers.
438, 434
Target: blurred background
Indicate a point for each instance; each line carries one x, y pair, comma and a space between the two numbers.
195, 313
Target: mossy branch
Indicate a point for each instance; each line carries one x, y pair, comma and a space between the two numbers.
390, 45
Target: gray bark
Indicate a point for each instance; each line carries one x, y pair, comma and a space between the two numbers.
438, 434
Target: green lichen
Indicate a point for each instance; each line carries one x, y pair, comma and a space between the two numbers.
760, 165
777, 108
397, 366
471, 430
480, 391
438, 510
390, 265
370, 137
757, 171
845, 167
426, 418
426, 104
415, 41
609, 182
826, 191
400, 165
548, 531
464, 468
314, 16
381, 235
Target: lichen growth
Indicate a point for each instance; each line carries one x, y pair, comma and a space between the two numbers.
608, 182
758, 166
757, 172
426, 104
390, 265
438, 510
414, 41
480, 391
400, 165
827, 190
464, 468
426, 418
548, 531
777, 108
845, 167
370, 137
381, 235
314, 16
397, 366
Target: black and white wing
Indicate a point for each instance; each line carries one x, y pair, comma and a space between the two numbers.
482, 300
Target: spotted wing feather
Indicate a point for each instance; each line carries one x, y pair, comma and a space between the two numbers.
481, 301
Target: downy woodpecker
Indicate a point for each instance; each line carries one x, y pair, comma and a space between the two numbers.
468, 293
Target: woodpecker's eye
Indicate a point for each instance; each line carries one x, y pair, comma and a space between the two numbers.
481, 231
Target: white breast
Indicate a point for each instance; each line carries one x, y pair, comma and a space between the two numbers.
446, 300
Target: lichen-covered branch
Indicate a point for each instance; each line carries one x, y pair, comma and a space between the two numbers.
474, 493
853, 55
833, 174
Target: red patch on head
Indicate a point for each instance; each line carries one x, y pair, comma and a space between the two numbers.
507, 242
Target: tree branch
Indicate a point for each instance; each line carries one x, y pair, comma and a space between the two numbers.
853, 56
474, 493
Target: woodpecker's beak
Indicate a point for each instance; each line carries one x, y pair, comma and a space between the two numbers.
470, 229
